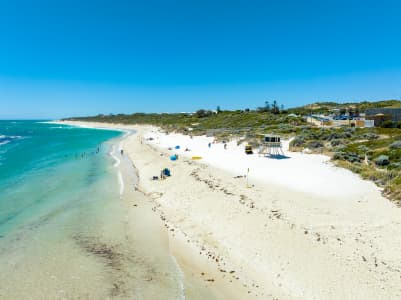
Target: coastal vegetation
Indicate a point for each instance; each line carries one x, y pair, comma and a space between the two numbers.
327, 107
373, 153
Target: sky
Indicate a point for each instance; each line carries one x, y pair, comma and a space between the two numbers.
75, 58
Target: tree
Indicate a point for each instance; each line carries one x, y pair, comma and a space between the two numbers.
265, 108
267, 105
201, 113
275, 109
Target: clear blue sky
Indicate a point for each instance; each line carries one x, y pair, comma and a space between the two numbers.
68, 58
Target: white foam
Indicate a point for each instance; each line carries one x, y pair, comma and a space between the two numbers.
117, 160
116, 165
180, 278
9, 138
68, 125
121, 183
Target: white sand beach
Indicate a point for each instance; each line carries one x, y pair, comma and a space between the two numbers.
297, 228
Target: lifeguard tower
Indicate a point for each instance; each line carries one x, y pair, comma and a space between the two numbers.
271, 146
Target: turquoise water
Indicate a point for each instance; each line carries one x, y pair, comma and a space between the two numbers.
67, 231
47, 167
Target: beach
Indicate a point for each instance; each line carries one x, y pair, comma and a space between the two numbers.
250, 227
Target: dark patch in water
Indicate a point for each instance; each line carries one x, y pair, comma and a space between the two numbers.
32, 225
8, 218
93, 172
127, 267
109, 253
111, 257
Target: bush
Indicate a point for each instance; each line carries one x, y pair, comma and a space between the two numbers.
363, 148
388, 124
297, 142
315, 145
382, 160
348, 156
370, 136
340, 155
396, 145
201, 113
396, 165
336, 142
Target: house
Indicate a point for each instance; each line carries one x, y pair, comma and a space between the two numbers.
380, 115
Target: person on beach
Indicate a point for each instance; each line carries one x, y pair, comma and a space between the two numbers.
225, 146
122, 152
209, 145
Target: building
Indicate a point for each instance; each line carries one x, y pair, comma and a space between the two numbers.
324, 121
380, 115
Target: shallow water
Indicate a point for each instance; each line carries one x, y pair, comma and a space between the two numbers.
67, 229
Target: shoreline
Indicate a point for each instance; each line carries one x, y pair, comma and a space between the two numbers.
150, 248
279, 242
192, 286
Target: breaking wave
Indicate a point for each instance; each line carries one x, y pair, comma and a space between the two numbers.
5, 139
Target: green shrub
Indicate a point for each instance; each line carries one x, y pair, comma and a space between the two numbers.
396, 145
315, 145
297, 142
370, 136
348, 156
336, 143
382, 160
388, 124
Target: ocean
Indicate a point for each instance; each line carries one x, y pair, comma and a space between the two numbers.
45, 167
65, 229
